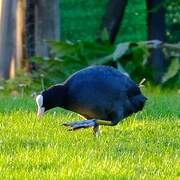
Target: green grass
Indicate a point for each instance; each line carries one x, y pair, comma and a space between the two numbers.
144, 146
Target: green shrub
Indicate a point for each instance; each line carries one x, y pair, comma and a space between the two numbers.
70, 57
130, 58
19, 85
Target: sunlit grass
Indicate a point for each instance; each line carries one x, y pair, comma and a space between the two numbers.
144, 146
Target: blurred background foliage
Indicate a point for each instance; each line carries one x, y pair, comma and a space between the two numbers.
173, 21
78, 48
130, 58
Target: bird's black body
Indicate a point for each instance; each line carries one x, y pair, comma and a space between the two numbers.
97, 92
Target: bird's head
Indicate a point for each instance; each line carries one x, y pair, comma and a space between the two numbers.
48, 99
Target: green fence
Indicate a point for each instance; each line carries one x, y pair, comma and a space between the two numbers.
80, 19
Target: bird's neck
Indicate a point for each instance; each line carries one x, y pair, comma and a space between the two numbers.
60, 95
56, 96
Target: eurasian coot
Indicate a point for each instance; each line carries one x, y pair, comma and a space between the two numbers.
102, 94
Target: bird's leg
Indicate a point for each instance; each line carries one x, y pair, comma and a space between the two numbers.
105, 123
114, 119
96, 131
88, 123
81, 124
94, 122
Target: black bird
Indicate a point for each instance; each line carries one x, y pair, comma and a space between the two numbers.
101, 94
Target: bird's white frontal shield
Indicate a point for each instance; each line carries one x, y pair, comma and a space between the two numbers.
39, 101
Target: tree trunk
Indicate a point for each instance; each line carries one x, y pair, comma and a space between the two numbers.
44, 16
30, 28
11, 37
47, 25
112, 19
7, 36
0, 11
20, 35
156, 30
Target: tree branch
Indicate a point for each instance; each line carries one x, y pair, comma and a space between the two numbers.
160, 44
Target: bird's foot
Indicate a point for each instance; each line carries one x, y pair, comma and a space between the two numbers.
80, 124
96, 131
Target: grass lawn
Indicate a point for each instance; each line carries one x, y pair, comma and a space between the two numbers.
144, 146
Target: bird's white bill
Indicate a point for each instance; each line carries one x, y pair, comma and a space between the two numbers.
40, 111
